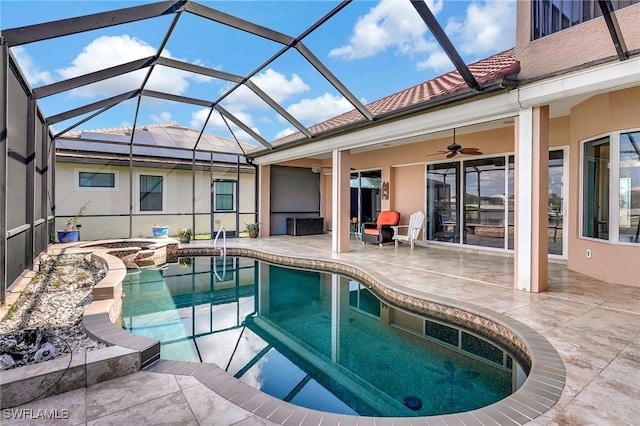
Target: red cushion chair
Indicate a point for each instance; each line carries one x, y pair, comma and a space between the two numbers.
380, 232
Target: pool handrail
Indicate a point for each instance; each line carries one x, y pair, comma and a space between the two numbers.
224, 240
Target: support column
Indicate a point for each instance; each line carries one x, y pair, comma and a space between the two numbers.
31, 184
4, 154
340, 202
531, 203
264, 199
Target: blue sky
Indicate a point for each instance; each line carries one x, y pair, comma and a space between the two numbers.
374, 47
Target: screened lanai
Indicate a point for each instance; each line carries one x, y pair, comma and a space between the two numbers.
89, 133
173, 103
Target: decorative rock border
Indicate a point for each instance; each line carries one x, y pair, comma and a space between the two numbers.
73, 371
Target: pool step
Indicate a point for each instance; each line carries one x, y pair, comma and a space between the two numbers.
145, 258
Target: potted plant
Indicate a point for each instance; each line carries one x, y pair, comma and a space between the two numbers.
71, 233
253, 229
184, 234
160, 231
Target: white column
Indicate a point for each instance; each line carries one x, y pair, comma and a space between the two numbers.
340, 202
531, 199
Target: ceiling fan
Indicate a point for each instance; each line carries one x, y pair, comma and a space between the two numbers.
455, 149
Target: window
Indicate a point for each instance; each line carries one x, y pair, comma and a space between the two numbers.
224, 195
96, 180
595, 189
629, 209
102, 179
611, 188
151, 193
551, 16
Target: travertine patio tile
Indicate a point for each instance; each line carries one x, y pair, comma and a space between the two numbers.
212, 409
66, 408
170, 410
125, 392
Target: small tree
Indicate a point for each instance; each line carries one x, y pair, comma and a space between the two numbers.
72, 222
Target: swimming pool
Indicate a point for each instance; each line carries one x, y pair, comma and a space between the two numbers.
316, 340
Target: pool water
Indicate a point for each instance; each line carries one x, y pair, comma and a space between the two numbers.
316, 340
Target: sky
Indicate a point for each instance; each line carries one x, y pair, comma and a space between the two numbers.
375, 48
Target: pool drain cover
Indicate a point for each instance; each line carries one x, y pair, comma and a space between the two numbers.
412, 402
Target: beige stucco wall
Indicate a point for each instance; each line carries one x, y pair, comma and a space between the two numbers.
408, 189
599, 115
177, 206
574, 46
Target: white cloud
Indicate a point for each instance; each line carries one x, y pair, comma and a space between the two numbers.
217, 123
438, 61
109, 51
199, 117
320, 108
273, 83
277, 86
286, 132
162, 118
391, 23
488, 27
31, 71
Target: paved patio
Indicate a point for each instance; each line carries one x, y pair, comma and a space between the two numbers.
592, 325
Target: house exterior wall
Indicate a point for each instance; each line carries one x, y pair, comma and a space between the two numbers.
616, 263
408, 189
598, 115
107, 215
587, 42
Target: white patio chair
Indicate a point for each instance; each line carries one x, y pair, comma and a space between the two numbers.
416, 223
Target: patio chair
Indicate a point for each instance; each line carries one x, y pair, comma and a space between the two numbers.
381, 231
442, 232
416, 223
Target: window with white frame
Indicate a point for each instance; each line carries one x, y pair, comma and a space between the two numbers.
224, 195
611, 187
151, 193
96, 181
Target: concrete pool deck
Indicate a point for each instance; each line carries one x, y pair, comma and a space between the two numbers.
591, 324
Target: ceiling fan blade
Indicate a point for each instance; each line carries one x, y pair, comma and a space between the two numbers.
436, 153
452, 154
470, 151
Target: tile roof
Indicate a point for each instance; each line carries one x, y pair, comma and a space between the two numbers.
488, 70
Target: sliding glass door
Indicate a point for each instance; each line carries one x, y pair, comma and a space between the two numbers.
443, 193
485, 202
366, 195
471, 201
